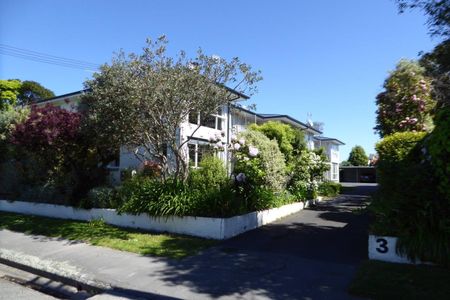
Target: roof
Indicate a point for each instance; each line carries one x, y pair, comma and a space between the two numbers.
278, 116
241, 95
63, 96
328, 139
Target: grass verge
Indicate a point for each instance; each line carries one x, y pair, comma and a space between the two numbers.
99, 233
381, 280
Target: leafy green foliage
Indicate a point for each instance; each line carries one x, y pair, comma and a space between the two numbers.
291, 141
307, 172
438, 14
406, 103
358, 157
267, 168
15, 92
8, 121
210, 174
329, 188
141, 99
169, 198
438, 145
409, 204
53, 151
396, 147
208, 192
437, 66
32, 91
9, 89
100, 197
345, 163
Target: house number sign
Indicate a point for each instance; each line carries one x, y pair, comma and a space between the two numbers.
382, 245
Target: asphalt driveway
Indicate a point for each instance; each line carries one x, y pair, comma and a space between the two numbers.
312, 254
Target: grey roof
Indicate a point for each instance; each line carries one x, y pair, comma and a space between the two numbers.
62, 96
278, 116
328, 139
241, 95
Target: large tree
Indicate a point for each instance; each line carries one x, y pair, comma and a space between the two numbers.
141, 99
438, 12
358, 157
406, 102
16, 92
9, 89
437, 62
291, 141
32, 91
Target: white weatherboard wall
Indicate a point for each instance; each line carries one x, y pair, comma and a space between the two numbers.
383, 248
215, 228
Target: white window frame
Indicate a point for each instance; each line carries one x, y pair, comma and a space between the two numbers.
334, 171
218, 118
196, 145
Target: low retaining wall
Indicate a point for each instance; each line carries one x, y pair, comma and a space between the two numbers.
214, 228
384, 248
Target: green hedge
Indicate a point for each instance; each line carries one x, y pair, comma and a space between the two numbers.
329, 188
409, 204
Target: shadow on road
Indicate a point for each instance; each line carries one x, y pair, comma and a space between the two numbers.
311, 254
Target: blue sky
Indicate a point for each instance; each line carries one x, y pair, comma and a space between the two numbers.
324, 57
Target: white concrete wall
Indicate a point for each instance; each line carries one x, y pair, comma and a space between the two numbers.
214, 228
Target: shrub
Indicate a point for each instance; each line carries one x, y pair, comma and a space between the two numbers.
100, 197
210, 174
290, 140
52, 149
406, 103
308, 169
267, 167
438, 145
8, 121
329, 188
139, 194
409, 204
358, 157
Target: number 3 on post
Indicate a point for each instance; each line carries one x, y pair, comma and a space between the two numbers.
382, 245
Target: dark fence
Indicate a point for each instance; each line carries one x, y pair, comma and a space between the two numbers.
357, 174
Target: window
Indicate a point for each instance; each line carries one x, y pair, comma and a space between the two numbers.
334, 171
193, 118
192, 151
208, 121
197, 152
211, 121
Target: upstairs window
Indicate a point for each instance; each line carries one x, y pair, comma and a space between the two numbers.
211, 121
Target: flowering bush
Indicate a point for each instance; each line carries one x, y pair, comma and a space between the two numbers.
216, 142
48, 138
258, 160
307, 172
406, 103
52, 149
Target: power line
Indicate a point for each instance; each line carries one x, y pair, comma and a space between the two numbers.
47, 58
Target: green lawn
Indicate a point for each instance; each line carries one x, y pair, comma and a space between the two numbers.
380, 280
100, 234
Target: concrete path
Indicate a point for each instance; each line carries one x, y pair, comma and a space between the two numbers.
309, 255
